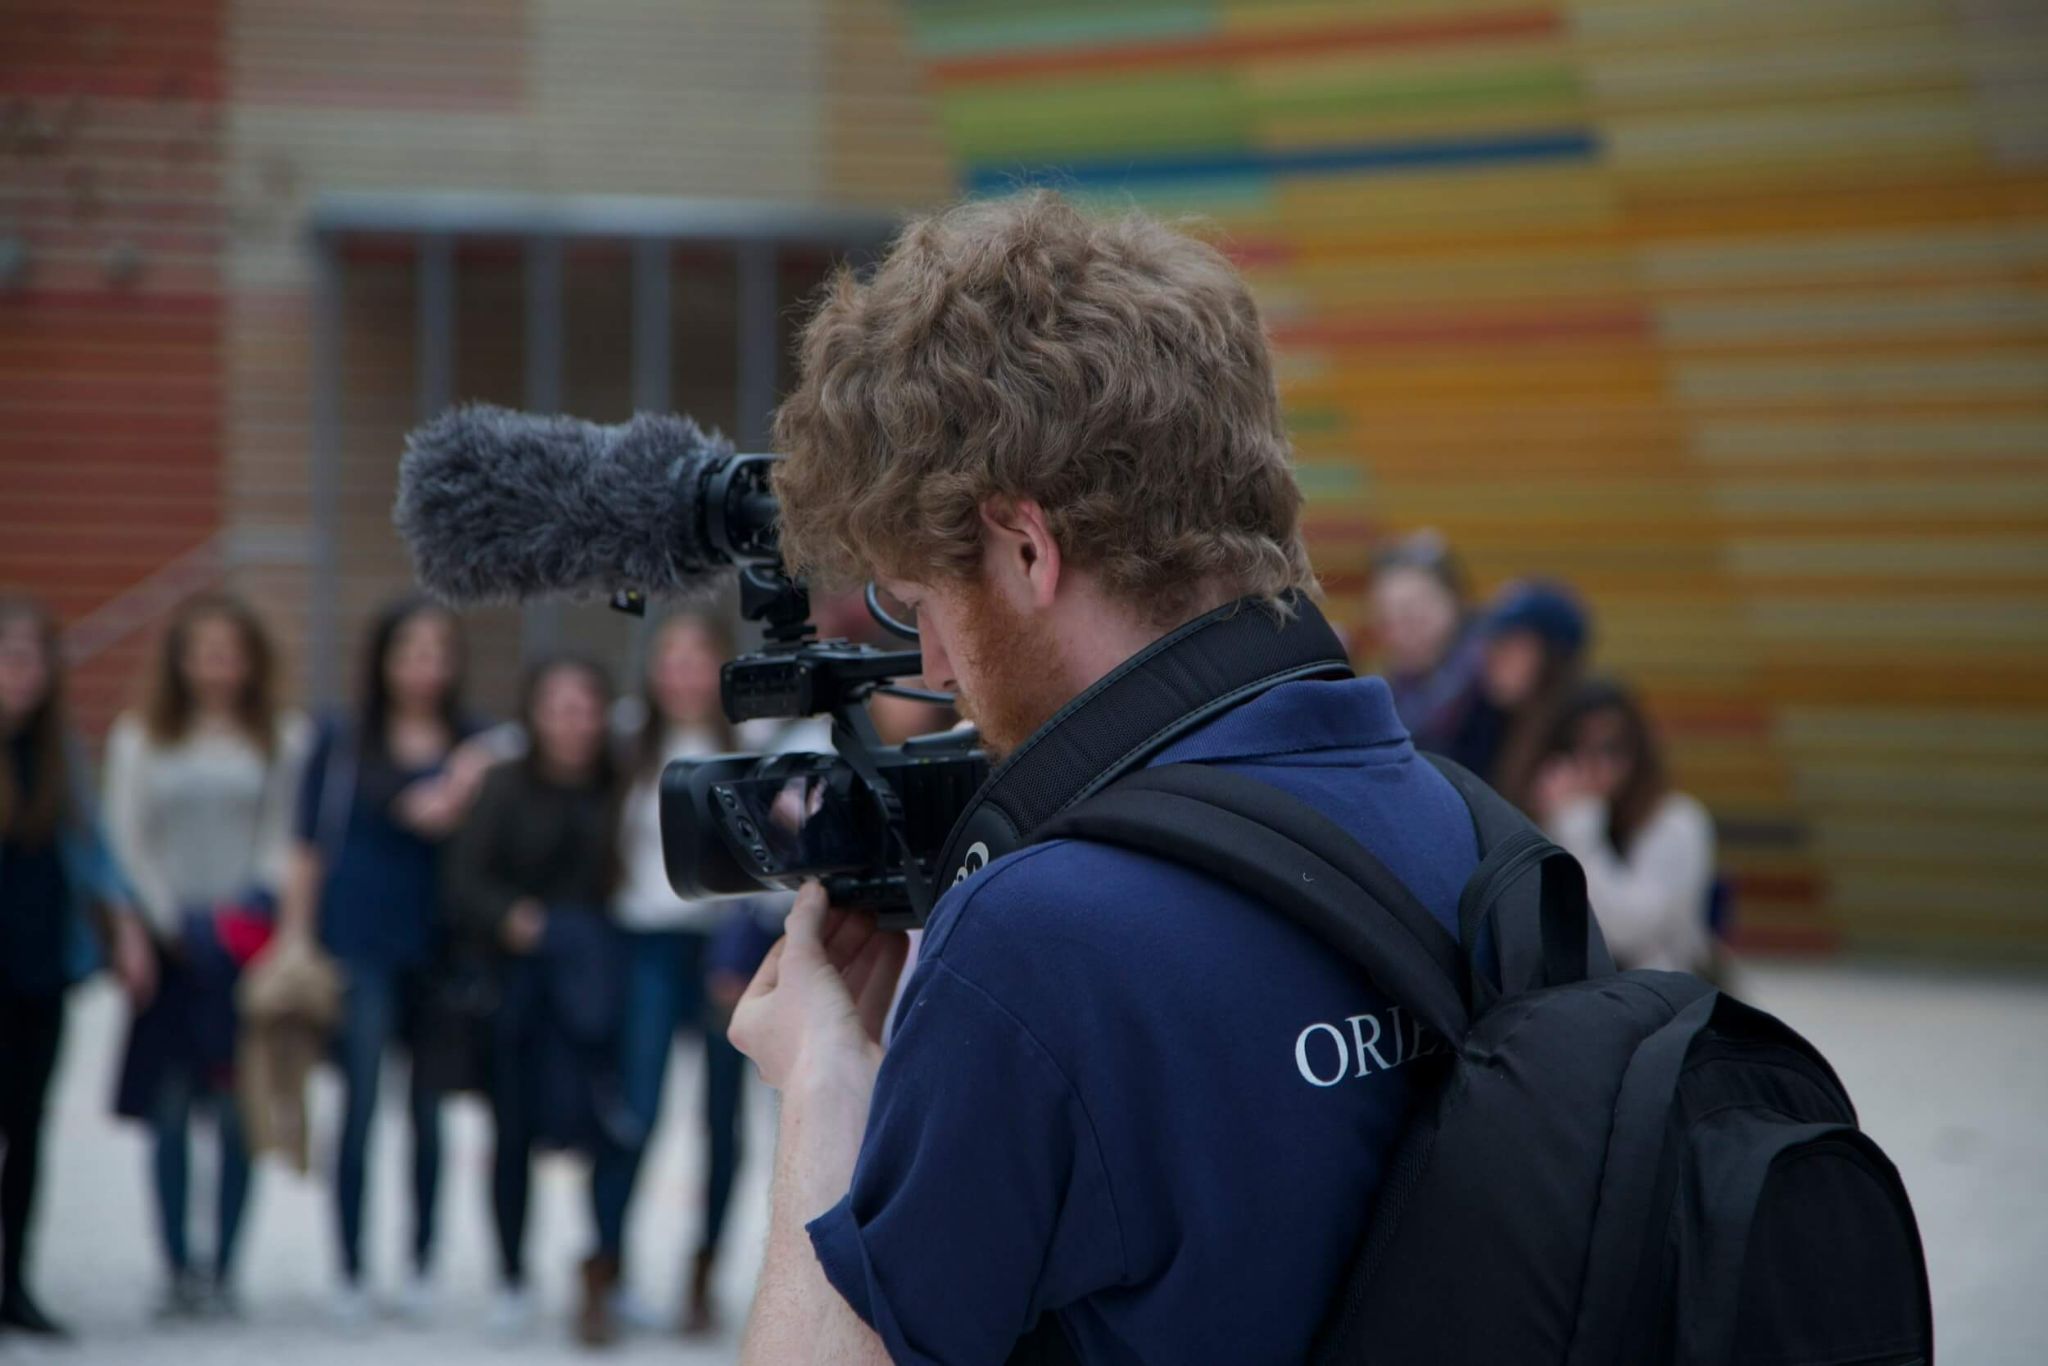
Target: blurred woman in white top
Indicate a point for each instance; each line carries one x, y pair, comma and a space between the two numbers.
200, 786
1648, 851
667, 940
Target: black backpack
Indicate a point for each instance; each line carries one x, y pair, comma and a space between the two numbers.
1603, 1167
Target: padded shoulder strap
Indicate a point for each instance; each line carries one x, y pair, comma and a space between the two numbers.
1544, 933
1292, 858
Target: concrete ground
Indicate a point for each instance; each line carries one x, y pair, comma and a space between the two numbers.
1947, 1069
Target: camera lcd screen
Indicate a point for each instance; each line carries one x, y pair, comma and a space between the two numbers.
793, 823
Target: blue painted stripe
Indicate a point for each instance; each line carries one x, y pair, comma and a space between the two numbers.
1557, 145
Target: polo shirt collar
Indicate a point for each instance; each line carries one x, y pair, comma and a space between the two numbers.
1305, 716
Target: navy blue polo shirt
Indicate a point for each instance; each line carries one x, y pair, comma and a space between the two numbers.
1123, 1092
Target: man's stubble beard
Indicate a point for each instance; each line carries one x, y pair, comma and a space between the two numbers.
1015, 660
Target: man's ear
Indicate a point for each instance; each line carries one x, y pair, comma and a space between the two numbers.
1019, 550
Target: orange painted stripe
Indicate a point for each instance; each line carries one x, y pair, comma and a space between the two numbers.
1478, 328
1787, 939
1226, 47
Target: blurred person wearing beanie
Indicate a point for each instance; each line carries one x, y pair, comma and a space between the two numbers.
1533, 644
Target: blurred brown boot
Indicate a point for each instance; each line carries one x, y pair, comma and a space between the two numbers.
700, 1316
595, 1326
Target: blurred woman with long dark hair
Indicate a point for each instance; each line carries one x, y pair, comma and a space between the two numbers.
199, 792
529, 878
381, 791
667, 941
55, 873
1648, 850
1430, 649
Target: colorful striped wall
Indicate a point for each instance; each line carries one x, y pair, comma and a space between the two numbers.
1734, 312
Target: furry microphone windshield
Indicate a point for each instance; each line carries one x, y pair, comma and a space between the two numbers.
499, 505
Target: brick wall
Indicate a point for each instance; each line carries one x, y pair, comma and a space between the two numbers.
157, 162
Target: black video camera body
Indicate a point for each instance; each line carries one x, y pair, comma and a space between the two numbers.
868, 820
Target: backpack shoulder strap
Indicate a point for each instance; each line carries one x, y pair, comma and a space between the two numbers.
1291, 857
1543, 930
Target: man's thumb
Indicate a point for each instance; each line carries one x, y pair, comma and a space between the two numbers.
805, 927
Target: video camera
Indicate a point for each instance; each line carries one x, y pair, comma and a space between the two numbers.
498, 504
868, 820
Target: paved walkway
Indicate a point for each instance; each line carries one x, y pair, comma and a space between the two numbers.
1948, 1070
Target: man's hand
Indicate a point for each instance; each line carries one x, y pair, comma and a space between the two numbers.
818, 1003
812, 1021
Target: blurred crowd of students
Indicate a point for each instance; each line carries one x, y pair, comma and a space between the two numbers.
399, 878
1503, 689
491, 902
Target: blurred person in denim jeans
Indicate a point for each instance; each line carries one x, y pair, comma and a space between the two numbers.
56, 878
199, 790
668, 940
382, 790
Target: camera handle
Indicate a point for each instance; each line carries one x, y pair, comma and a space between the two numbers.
854, 737
769, 595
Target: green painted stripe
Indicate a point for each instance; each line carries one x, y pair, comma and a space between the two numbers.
1317, 421
1932, 900
1896, 557
1952, 733
1919, 786
1989, 436
1811, 258
1137, 117
1869, 380
2003, 496
1364, 92
1931, 838
1898, 126
1321, 480
1006, 27
1682, 23
1909, 57
1237, 198
1919, 624
1834, 317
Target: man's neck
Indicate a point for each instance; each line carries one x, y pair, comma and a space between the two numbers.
1101, 632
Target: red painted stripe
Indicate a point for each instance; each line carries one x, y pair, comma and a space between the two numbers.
1684, 718
143, 82
482, 93
1788, 939
1257, 253
113, 305
193, 391
147, 545
1336, 525
1222, 47
155, 431
1794, 887
1479, 329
